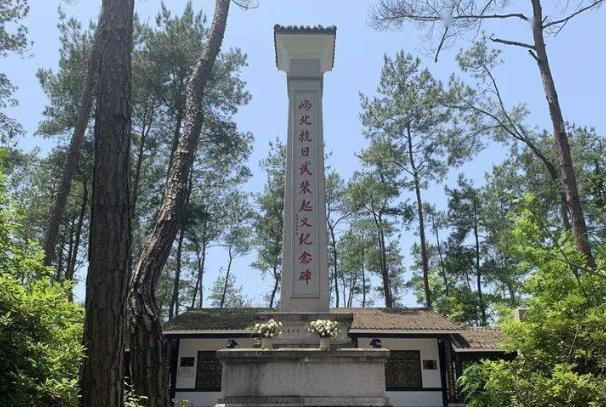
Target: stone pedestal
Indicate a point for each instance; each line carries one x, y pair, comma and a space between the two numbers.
303, 377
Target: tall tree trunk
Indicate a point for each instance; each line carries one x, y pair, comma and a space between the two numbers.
110, 225
174, 302
71, 267
59, 269
201, 260
343, 287
227, 272
201, 270
147, 346
439, 247
476, 236
424, 255
138, 169
200, 256
272, 298
176, 134
363, 284
333, 249
70, 249
383, 263
568, 178
70, 166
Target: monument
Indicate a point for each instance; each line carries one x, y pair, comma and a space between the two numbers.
305, 55
297, 373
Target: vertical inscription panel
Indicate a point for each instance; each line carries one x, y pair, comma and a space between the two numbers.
306, 212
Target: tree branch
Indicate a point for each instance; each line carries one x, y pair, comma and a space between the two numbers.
441, 44
514, 43
533, 55
576, 13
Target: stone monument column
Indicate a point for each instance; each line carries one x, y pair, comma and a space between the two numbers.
297, 373
305, 54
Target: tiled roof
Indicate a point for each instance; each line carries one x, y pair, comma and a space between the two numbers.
373, 319
300, 29
482, 338
224, 319
398, 319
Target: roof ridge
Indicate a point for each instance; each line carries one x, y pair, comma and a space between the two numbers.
482, 328
320, 29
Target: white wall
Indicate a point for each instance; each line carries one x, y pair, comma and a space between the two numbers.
428, 348
187, 379
198, 398
415, 398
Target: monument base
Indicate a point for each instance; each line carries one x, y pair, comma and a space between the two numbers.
295, 332
303, 401
303, 377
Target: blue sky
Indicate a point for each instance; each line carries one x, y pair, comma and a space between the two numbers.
577, 56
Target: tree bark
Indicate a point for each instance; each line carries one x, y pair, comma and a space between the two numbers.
568, 178
138, 169
424, 256
272, 298
439, 247
70, 248
110, 225
383, 262
333, 247
147, 344
59, 268
363, 282
476, 236
71, 267
70, 166
200, 259
174, 302
227, 272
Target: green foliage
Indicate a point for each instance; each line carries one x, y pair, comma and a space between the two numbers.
40, 330
372, 197
355, 248
561, 343
13, 39
132, 399
227, 294
411, 121
268, 221
65, 86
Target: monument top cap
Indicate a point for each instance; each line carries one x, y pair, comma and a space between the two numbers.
304, 42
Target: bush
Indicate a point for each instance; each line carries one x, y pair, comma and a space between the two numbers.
40, 330
561, 344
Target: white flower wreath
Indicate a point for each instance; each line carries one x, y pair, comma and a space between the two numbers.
324, 328
268, 329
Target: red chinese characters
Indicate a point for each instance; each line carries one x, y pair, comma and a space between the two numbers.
304, 136
304, 239
305, 119
304, 187
305, 206
304, 221
305, 105
305, 276
304, 168
305, 258
304, 190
